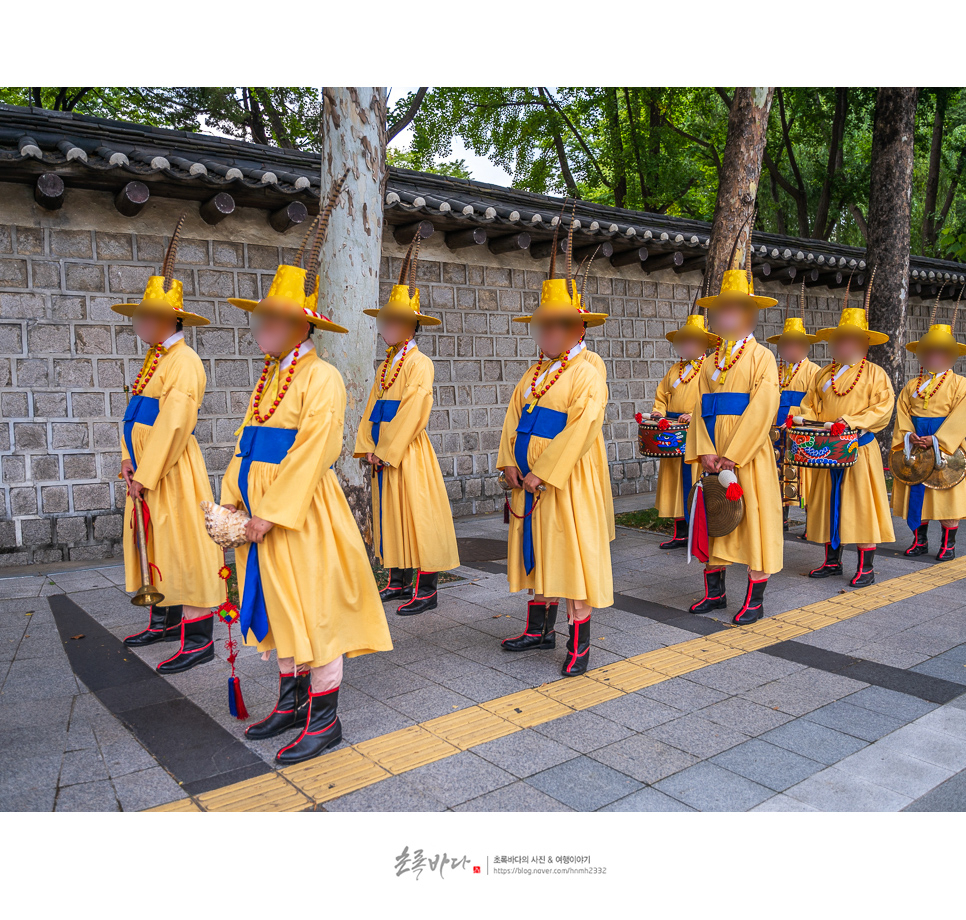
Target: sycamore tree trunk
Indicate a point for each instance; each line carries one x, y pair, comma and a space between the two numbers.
887, 251
353, 137
739, 174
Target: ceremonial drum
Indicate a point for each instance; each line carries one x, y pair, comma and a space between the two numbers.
661, 442
816, 446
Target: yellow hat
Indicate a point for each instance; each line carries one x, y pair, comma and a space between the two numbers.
694, 328
737, 283
940, 336
163, 294
404, 297
794, 325
854, 319
559, 297
295, 290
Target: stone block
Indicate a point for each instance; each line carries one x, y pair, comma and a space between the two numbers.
114, 246
70, 529
22, 306
127, 279
79, 466
13, 273
84, 276
264, 257
44, 468
110, 372
54, 499
108, 527
92, 340
35, 532
14, 406
76, 372
14, 469
67, 306
74, 244
29, 436
91, 497
216, 284
87, 405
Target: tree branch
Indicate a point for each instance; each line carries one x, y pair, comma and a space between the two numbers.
801, 198
720, 90
823, 222
697, 140
951, 193
274, 118
860, 220
645, 191
408, 115
542, 90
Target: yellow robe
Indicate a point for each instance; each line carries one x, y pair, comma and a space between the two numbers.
569, 521
800, 382
600, 448
949, 401
320, 592
757, 541
170, 466
865, 516
412, 522
670, 398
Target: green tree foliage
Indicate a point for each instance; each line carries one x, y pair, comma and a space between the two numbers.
409, 159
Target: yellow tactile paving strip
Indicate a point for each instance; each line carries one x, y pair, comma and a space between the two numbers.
307, 785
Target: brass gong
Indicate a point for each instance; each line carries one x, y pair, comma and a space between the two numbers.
917, 469
723, 514
952, 473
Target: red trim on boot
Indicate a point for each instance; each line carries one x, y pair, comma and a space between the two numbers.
184, 622
945, 546
573, 654
708, 597
526, 628
416, 596
308, 718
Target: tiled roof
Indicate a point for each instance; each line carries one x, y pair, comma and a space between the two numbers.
100, 153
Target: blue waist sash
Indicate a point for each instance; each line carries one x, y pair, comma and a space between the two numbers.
258, 445
835, 496
715, 404
788, 399
926, 426
685, 472
384, 410
141, 410
539, 422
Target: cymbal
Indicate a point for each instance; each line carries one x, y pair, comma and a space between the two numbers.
917, 469
723, 514
951, 474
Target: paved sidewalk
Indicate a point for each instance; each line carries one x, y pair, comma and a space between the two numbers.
859, 713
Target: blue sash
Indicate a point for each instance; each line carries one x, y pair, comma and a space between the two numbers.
258, 445
926, 426
835, 496
384, 410
141, 410
788, 399
685, 473
715, 404
540, 422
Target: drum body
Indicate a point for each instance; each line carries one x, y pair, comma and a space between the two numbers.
817, 447
661, 443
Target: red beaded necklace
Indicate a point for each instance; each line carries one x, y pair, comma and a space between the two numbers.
927, 396
696, 364
781, 372
727, 365
385, 365
257, 398
536, 374
858, 377
147, 371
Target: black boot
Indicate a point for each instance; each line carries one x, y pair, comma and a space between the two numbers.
752, 609
400, 587
785, 517
865, 573
948, 550
714, 593
538, 633
322, 729
578, 648
197, 645
290, 710
920, 540
164, 625
832, 564
425, 598
680, 537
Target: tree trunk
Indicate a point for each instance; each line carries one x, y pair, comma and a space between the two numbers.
890, 200
930, 231
739, 174
354, 137
823, 223
612, 113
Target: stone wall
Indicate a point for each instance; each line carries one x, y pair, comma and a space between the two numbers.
65, 355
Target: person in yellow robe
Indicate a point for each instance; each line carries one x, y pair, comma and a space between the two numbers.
163, 466
932, 405
674, 400
600, 448
795, 373
306, 584
411, 515
851, 505
729, 436
559, 539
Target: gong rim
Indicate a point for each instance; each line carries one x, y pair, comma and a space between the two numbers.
912, 472
723, 515
952, 474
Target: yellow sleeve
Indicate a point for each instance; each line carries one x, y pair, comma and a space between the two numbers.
877, 413
753, 429
286, 501
412, 416
585, 419
364, 443
952, 432
505, 456
230, 494
662, 398
903, 417
184, 388
698, 440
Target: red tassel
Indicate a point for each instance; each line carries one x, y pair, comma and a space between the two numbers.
639, 418
506, 511
838, 428
663, 425
734, 492
240, 712
790, 421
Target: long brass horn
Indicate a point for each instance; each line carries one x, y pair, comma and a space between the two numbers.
147, 595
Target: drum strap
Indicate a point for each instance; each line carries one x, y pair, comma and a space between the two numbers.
835, 496
926, 426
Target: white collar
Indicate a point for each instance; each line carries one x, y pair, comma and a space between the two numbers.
303, 348
695, 365
567, 356
171, 339
720, 365
409, 346
921, 389
845, 368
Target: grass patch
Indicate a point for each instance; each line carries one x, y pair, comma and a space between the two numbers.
646, 519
